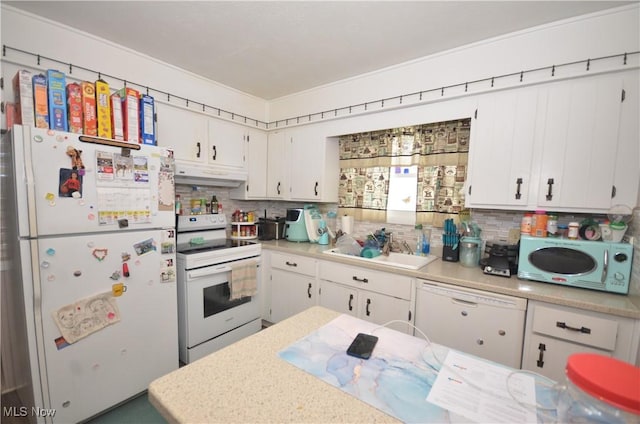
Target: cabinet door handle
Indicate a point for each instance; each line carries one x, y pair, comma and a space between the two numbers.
309, 291
541, 349
613, 191
563, 325
362, 280
351, 302
278, 187
215, 153
368, 303
198, 152
518, 184
315, 189
549, 193
287, 263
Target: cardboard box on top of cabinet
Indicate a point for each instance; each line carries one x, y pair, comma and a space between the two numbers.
103, 109
116, 117
130, 114
10, 113
56, 90
23, 97
40, 103
147, 112
74, 107
89, 121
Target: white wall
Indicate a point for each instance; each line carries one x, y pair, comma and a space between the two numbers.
38, 35
595, 35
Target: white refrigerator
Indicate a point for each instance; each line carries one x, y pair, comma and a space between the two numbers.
88, 225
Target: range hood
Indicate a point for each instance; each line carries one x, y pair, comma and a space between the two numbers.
202, 175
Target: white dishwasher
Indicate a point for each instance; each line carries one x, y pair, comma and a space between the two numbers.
488, 325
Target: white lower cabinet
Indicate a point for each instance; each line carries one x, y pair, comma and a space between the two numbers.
488, 325
371, 295
293, 285
554, 332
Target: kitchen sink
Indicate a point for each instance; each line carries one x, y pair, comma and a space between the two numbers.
395, 260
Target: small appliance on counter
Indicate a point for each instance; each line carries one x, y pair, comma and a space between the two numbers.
271, 228
501, 259
295, 228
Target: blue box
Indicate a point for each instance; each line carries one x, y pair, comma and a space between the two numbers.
147, 121
56, 89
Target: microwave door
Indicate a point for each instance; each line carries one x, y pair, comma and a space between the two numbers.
564, 261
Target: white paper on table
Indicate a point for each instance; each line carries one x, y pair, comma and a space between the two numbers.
478, 391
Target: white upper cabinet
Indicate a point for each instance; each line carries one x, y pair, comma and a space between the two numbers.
502, 141
256, 157
226, 144
568, 146
277, 165
314, 166
184, 131
200, 139
302, 164
579, 144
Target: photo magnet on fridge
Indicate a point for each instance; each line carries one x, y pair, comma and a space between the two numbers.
70, 183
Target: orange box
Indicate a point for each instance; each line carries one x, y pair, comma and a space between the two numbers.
116, 117
131, 114
74, 107
103, 109
89, 122
40, 102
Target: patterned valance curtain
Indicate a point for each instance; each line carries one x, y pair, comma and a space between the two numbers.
440, 150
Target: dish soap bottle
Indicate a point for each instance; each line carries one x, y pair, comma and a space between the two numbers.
419, 236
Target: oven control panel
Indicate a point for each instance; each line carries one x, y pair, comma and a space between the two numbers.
200, 222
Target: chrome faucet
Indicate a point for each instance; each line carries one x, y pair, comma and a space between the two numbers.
407, 247
387, 245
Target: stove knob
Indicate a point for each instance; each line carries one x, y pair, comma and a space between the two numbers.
488, 268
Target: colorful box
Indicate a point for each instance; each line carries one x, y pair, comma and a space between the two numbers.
130, 114
23, 97
116, 117
74, 107
57, 96
103, 109
40, 102
147, 121
10, 113
89, 120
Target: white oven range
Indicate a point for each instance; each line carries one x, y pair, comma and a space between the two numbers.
207, 319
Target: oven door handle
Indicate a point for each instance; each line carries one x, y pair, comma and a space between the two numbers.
204, 272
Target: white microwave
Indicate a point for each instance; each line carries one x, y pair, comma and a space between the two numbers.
595, 265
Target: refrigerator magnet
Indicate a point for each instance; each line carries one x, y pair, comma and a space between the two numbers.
100, 254
117, 289
70, 184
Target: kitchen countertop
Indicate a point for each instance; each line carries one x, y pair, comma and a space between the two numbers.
456, 274
247, 382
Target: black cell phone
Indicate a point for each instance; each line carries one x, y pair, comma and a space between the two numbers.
362, 346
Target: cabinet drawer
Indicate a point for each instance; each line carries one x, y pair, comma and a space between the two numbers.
576, 327
293, 263
377, 281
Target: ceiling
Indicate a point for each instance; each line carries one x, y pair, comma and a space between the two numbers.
274, 48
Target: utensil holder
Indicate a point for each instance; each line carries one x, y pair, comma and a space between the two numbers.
450, 254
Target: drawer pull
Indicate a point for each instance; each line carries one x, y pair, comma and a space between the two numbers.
540, 361
362, 280
584, 330
291, 264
